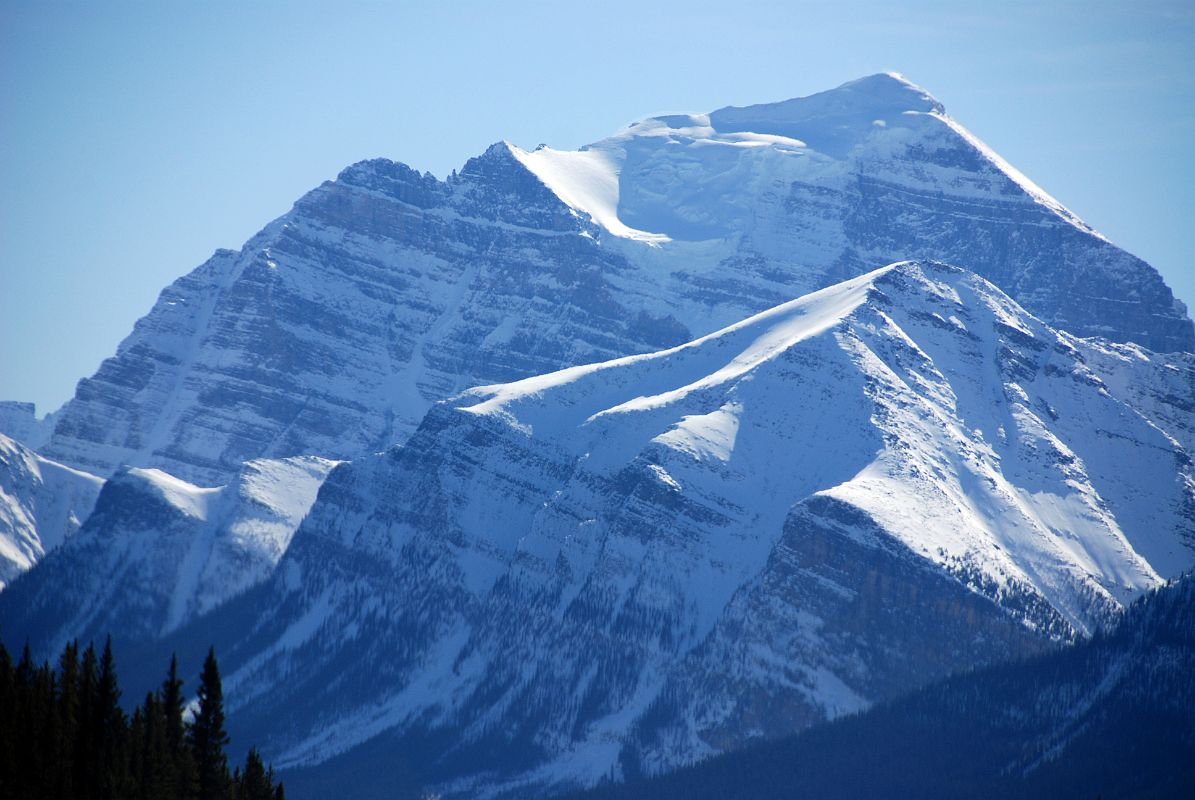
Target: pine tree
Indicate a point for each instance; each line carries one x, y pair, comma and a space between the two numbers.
157, 761
25, 668
207, 734
68, 720
26, 721
182, 777
136, 753
63, 735
108, 730
255, 783
86, 779
45, 730
8, 712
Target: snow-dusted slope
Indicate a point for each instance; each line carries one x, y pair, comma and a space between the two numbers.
1159, 385
158, 551
628, 565
41, 504
334, 329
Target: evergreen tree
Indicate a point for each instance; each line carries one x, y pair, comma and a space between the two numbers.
64, 735
44, 730
156, 760
108, 729
182, 777
27, 720
68, 721
86, 778
136, 753
256, 783
8, 712
207, 734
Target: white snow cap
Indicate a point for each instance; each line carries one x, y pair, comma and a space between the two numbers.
698, 176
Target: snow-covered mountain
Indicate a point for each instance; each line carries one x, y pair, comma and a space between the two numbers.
624, 566
744, 514
157, 552
42, 503
333, 330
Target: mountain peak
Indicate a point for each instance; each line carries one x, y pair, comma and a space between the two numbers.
891, 87
832, 121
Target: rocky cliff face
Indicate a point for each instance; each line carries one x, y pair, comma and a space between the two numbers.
333, 330
41, 504
622, 567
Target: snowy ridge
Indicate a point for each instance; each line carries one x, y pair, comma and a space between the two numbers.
42, 504
628, 565
1032, 189
189, 499
761, 338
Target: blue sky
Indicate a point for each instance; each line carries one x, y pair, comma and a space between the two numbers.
139, 137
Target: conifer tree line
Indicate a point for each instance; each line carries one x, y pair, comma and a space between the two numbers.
64, 735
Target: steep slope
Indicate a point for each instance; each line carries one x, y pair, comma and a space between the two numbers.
1159, 386
41, 504
158, 551
1111, 717
334, 329
622, 567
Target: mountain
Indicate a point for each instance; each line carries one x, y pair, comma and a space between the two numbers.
157, 552
42, 504
620, 568
1110, 717
333, 330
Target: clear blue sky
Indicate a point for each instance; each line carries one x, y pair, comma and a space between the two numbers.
138, 137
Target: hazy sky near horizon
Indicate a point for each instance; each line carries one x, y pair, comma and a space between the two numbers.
138, 137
